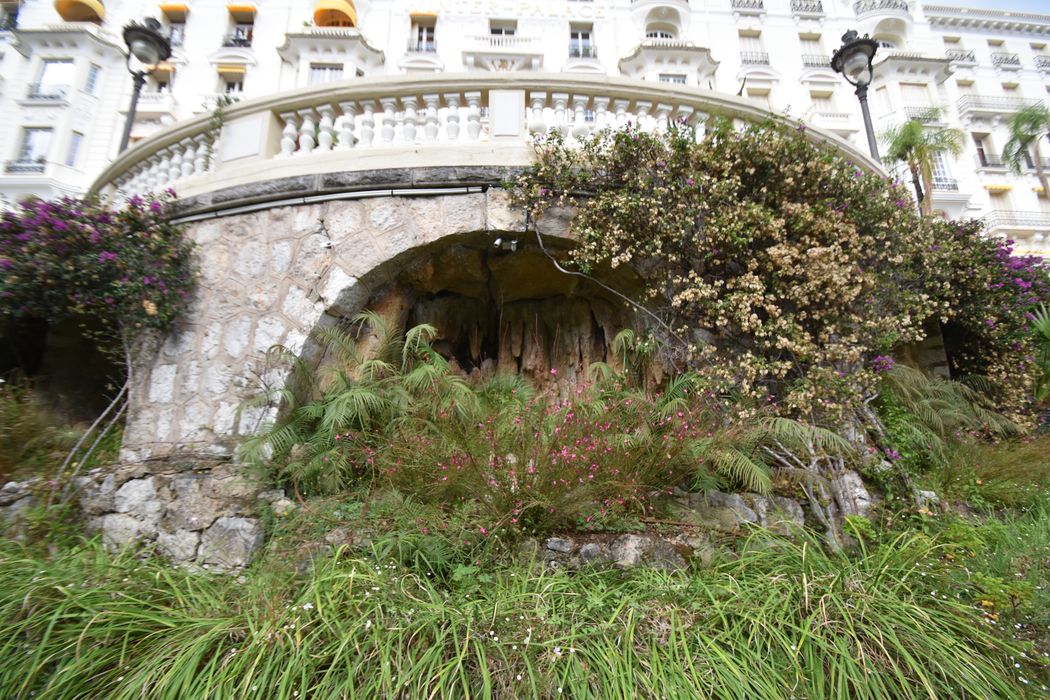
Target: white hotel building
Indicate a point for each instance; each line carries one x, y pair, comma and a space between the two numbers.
65, 90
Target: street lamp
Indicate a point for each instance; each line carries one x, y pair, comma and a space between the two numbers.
853, 60
149, 47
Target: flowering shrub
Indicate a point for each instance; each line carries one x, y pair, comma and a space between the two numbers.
129, 269
785, 273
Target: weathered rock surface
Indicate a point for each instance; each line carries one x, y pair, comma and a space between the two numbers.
230, 542
850, 494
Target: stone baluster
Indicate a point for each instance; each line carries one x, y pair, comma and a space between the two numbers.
580, 127
346, 125
663, 117
539, 104
153, 177
368, 124
473, 115
163, 170
326, 128
200, 157
307, 130
289, 135
410, 106
389, 120
699, 122
452, 118
641, 111
189, 153
561, 123
620, 107
432, 126
601, 112
175, 171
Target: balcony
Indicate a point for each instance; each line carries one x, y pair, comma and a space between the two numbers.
754, 58
1042, 63
1008, 61
748, 7
863, 8
504, 42
926, 115
980, 106
24, 167
417, 46
156, 104
963, 56
47, 93
945, 184
1016, 220
582, 51
238, 40
332, 138
807, 8
989, 161
815, 61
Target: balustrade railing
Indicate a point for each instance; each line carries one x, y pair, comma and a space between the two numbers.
1042, 63
960, 56
418, 46
945, 184
989, 160
864, 7
16, 167
752, 5
754, 58
582, 51
1006, 60
40, 91
1016, 219
505, 41
807, 7
334, 127
1004, 105
923, 114
815, 60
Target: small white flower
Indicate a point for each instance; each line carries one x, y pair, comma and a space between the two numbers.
368, 624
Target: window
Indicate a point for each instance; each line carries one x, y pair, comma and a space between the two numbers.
241, 35
882, 100
503, 27
35, 143
657, 30
74, 148
886, 43
422, 38
1010, 89
915, 94
162, 80
980, 143
823, 102
580, 45
56, 75
966, 87
325, 73
233, 85
673, 78
811, 45
177, 33
92, 79
751, 50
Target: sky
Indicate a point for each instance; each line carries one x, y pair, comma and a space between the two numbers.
1038, 6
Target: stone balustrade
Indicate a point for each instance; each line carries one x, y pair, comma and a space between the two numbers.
408, 122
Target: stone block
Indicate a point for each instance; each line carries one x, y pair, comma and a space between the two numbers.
230, 542
179, 546
558, 544
138, 498
162, 384
120, 530
851, 495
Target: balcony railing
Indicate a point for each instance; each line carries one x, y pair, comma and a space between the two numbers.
1024, 220
945, 184
994, 105
16, 167
989, 160
961, 56
867, 7
1042, 63
811, 8
53, 93
578, 51
815, 60
754, 58
1006, 60
505, 42
239, 40
417, 46
327, 133
8, 23
926, 115
748, 5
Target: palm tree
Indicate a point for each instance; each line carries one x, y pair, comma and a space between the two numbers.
1027, 129
917, 144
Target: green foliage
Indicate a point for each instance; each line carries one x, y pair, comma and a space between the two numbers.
1041, 326
32, 439
129, 270
917, 144
782, 619
1028, 127
1013, 474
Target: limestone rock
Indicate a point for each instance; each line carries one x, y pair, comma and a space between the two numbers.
179, 546
735, 503
558, 544
138, 498
98, 498
120, 530
851, 495
14, 491
230, 542
629, 550
662, 555
592, 553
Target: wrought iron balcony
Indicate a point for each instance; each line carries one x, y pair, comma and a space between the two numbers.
754, 58
17, 167
238, 40
1022, 220
420, 46
1042, 63
815, 61
961, 56
582, 51
1006, 60
52, 93
945, 184
993, 105
926, 115
867, 7
811, 8
748, 5
989, 160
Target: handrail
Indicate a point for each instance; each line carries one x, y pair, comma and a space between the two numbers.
414, 111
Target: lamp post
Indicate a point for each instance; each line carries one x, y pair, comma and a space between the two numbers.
853, 60
149, 47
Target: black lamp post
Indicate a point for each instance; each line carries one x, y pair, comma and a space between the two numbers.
149, 47
853, 60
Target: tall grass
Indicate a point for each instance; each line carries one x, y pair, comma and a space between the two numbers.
784, 619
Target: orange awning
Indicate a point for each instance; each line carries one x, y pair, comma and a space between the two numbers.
242, 13
175, 11
232, 69
335, 13
80, 10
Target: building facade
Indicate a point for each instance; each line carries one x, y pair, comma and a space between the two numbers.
65, 89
